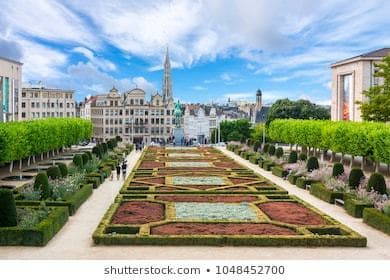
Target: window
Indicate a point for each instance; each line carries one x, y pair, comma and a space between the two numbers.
347, 97
61, 105
43, 115
106, 121
32, 104
162, 112
23, 94
67, 105
23, 104
52, 104
38, 104
43, 105
158, 102
23, 115
131, 102
141, 102
168, 112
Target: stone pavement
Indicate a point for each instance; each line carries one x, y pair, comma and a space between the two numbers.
74, 240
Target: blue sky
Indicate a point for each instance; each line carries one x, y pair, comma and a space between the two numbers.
218, 48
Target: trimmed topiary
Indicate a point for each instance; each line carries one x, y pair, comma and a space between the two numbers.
78, 161
355, 177
302, 157
63, 169
293, 157
85, 158
271, 150
265, 148
41, 183
279, 152
8, 216
312, 164
338, 169
53, 172
377, 183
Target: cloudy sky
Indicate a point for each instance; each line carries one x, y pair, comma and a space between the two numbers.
218, 48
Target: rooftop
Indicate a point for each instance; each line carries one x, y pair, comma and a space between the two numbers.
10, 60
373, 55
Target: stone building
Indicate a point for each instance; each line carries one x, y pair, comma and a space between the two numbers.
39, 102
10, 86
131, 116
350, 77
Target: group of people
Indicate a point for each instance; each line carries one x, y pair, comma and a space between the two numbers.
120, 167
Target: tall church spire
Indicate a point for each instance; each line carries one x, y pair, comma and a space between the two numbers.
167, 82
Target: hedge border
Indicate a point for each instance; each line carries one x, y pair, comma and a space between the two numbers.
39, 235
355, 207
320, 191
376, 219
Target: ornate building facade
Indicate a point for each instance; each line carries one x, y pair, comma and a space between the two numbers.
131, 116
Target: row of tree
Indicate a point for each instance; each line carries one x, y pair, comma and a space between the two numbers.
366, 139
24, 139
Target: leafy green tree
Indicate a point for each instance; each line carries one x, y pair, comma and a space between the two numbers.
300, 109
377, 106
242, 127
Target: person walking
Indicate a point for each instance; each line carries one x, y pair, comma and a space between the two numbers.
118, 172
124, 167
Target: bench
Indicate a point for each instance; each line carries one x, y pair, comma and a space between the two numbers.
339, 201
308, 187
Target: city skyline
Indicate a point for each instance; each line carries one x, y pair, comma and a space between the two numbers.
217, 51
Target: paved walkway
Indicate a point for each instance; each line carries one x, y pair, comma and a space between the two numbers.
74, 240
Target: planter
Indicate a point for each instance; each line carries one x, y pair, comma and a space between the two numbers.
301, 182
292, 178
377, 219
279, 171
355, 207
320, 191
73, 203
40, 234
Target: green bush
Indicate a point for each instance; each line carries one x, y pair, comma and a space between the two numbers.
41, 184
265, 148
78, 161
271, 150
386, 209
377, 183
85, 158
105, 147
63, 169
293, 157
279, 152
302, 157
256, 146
377, 219
279, 171
338, 169
53, 172
325, 194
89, 154
7, 209
355, 177
97, 151
312, 164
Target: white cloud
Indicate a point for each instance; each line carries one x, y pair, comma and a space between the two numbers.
99, 62
200, 88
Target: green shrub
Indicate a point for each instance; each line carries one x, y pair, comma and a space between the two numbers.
63, 169
97, 151
53, 172
377, 219
279, 152
355, 177
377, 183
7, 209
265, 148
105, 147
312, 164
256, 146
85, 158
41, 184
78, 161
89, 154
302, 157
386, 209
293, 157
338, 169
271, 150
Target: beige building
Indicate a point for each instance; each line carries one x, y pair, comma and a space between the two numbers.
40, 102
131, 116
350, 77
10, 85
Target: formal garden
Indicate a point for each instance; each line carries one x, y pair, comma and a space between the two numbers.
307, 163
199, 196
33, 212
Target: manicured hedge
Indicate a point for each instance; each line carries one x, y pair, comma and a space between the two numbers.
323, 193
301, 182
279, 171
27, 138
355, 207
292, 178
73, 203
377, 219
353, 138
39, 235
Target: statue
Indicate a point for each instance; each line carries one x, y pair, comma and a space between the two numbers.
178, 114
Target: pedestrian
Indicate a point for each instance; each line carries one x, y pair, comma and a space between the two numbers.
118, 172
112, 176
124, 167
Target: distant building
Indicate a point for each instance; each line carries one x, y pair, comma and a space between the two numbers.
10, 86
39, 102
350, 77
131, 116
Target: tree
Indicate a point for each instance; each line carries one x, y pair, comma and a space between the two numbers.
241, 127
377, 106
300, 109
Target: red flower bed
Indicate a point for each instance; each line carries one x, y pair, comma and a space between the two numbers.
204, 198
138, 212
221, 229
160, 180
242, 180
226, 164
151, 164
292, 213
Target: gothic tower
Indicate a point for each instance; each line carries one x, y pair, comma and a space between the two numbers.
167, 82
259, 99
